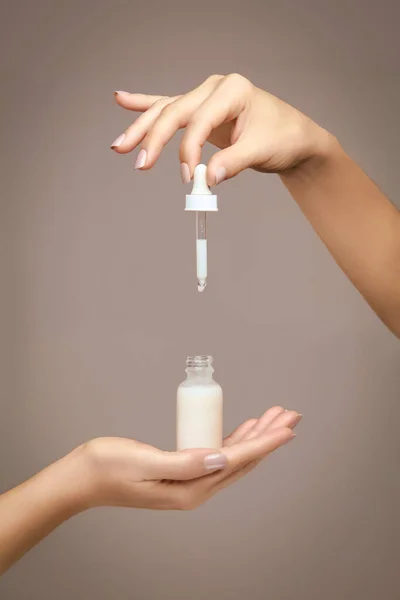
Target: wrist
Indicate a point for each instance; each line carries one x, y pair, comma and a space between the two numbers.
324, 150
69, 484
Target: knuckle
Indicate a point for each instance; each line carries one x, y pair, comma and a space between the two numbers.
238, 80
159, 105
159, 102
214, 78
235, 77
191, 124
198, 122
171, 115
169, 110
278, 408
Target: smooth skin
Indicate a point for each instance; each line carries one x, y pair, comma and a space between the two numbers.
122, 472
253, 129
355, 220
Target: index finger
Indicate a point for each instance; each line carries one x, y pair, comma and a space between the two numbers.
136, 102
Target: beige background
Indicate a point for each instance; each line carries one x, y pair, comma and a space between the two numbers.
100, 308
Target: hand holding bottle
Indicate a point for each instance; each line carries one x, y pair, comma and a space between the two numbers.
122, 472
128, 473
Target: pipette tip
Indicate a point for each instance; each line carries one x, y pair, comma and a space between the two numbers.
201, 284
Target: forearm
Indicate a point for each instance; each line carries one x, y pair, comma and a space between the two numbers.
357, 223
31, 511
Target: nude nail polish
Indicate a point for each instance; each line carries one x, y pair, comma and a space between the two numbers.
118, 141
220, 175
141, 159
297, 420
185, 173
214, 462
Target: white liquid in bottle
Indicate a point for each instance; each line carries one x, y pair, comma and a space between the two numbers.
199, 407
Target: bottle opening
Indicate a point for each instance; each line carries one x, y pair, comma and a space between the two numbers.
201, 360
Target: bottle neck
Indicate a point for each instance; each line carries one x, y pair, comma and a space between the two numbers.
199, 368
199, 374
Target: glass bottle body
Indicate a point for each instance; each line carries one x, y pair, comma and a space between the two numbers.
199, 406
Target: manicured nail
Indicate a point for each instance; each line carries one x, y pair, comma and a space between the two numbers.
118, 141
220, 175
120, 92
214, 462
185, 173
297, 419
141, 159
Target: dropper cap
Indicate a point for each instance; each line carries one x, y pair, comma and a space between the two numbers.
201, 198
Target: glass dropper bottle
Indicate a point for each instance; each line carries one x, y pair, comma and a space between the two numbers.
201, 200
199, 406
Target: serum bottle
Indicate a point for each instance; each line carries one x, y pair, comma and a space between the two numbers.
199, 406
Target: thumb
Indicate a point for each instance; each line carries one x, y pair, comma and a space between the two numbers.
185, 464
229, 162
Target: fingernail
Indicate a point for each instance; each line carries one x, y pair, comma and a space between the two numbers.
298, 419
290, 439
118, 141
213, 462
120, 92
220, 175
185, 173
141, 159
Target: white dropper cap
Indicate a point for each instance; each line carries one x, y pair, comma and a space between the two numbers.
201, 198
